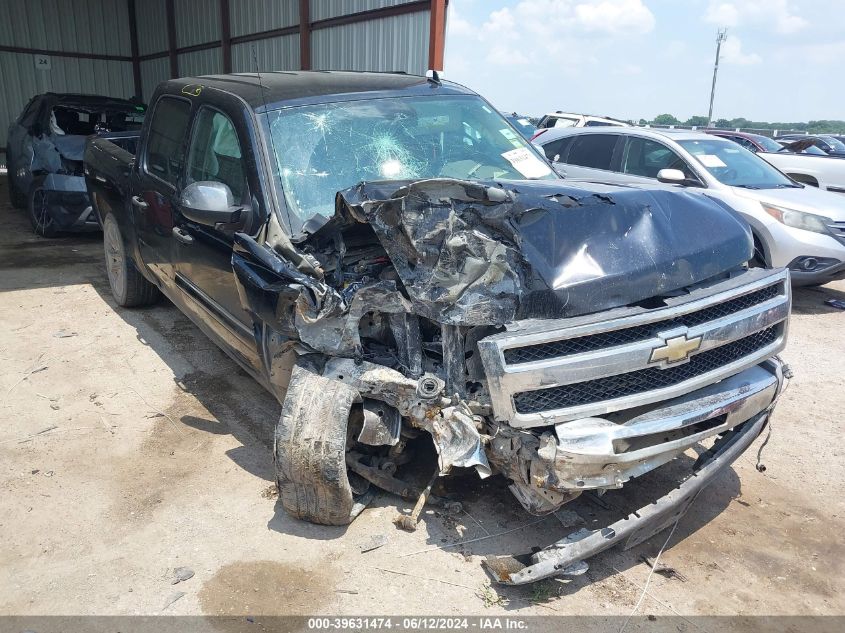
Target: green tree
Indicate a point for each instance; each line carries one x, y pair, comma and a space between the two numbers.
665, 119
722, 123
697, 121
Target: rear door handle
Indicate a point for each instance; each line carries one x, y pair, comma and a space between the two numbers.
139, 202
182, 235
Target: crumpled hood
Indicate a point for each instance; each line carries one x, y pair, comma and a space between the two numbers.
485, 253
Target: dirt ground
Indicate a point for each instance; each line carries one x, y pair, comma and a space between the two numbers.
131, 446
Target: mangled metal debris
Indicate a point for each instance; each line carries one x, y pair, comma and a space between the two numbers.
481, 313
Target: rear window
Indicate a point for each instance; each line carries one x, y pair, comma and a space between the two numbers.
165, 141
593, 150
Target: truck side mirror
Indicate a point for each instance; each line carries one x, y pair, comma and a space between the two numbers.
209, 202
671, 176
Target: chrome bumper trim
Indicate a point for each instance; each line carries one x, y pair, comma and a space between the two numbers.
506, 380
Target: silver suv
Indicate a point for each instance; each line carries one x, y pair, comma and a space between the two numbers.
794, 225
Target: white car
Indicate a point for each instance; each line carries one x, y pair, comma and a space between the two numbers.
802, 162
568, 119
796, 226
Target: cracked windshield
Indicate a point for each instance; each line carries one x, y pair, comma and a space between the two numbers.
323, 149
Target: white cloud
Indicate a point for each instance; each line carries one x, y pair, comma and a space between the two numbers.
761, 13
456, 25
533, 31
614, 16
827, 53
732, 53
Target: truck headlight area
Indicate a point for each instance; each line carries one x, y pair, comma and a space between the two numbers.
798, 219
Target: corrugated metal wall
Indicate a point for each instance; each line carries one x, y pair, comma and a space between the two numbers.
278, 53
255, 16
206, 62
323, 9
151, 17
101, 27
153, 72
385, 44
197, 21
80, 26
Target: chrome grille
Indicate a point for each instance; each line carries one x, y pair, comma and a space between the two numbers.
545, 372
622, 385
603, 340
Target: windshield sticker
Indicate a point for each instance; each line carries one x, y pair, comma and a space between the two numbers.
524, 121
526, 163
711, 160
507, 134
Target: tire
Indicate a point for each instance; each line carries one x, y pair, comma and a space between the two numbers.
309, 449
42, 222
759, 258
17, 199
128, 287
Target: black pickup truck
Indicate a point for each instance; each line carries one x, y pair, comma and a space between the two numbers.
393, 261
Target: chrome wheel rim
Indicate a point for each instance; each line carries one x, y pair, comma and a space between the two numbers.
115, 258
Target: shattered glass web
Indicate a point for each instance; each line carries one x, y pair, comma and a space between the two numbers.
326, 148
373, 153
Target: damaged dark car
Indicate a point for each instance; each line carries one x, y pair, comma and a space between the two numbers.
392, 260
44, 156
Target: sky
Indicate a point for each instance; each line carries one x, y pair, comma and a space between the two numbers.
635, 59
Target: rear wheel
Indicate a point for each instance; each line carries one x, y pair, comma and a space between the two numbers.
39, 216
309, 449
128, 287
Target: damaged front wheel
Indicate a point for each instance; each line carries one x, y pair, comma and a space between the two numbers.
309, 449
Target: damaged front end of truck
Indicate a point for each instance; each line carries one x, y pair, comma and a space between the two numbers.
568, 339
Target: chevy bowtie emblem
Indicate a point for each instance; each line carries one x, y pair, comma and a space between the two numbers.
675, 349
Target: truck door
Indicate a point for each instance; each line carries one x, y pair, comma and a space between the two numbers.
204, 252
161, 162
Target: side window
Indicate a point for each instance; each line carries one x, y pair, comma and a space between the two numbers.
593, 150
644, 157
215, 153
556, 150
552, 150
165, 148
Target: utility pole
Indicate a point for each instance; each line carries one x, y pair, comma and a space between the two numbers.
721, 36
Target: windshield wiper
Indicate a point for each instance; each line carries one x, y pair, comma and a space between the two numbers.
748, 186
788, 185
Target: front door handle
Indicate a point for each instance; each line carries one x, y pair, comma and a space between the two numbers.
182, 235
139, 202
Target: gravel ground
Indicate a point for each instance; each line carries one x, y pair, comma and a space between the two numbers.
131, 446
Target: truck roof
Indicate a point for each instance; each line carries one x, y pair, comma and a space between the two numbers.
285, 88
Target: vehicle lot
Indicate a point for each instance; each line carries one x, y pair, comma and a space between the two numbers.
132, 446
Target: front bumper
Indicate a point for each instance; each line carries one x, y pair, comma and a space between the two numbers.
567, 556
825, 275
68, 203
